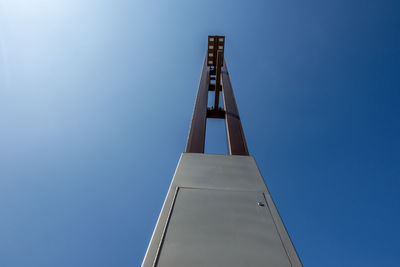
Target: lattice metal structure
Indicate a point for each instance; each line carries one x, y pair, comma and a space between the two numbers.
215, 77
218, 210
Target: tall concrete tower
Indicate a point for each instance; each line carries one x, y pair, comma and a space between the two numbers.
218, 211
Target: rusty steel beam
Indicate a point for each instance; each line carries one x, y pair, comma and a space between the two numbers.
218, 72
197, 132
220, 58
234, 131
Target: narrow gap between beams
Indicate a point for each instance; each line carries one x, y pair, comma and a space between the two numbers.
216, 141
211, 99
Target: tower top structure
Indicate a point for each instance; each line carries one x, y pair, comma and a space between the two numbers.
215, 77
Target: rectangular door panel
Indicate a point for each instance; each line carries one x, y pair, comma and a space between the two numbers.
210, 227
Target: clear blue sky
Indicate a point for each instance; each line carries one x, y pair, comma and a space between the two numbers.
96, 99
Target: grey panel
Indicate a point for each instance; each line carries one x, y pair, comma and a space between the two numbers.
221, 228
219, 172
229, 175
